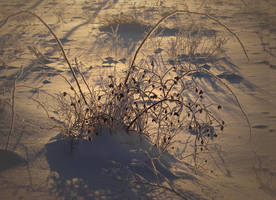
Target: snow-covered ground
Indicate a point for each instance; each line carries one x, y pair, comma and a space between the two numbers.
39, 165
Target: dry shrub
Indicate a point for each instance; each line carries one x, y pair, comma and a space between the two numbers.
155, 99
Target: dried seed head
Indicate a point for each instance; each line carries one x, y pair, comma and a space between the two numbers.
219, 107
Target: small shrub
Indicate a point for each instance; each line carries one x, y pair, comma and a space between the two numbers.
156, 99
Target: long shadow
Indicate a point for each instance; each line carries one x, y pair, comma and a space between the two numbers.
110, 171
89, 21
35, 5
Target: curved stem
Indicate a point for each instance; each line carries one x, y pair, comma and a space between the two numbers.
169, 15
58, 42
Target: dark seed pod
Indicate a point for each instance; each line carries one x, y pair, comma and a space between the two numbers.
221, 128
219, 107
177, 78
64, 94
111, 85
99, 97
200, 92
71, 88
133, 79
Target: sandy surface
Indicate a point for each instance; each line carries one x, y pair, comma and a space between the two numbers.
36, 167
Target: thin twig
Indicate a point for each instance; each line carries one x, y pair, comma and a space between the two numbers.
83, 78
13, 106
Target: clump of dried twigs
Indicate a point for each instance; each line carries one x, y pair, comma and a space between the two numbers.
150, 100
